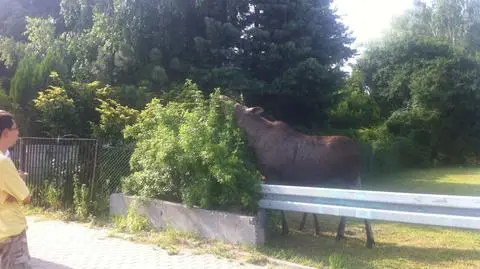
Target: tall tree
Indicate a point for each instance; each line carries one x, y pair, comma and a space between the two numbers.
427, 92
294, 50
215, 45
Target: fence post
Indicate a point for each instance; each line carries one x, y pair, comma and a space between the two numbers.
21, 160
94, 173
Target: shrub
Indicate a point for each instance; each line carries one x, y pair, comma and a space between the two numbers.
190, 150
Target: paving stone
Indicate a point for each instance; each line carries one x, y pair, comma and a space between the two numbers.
56, 244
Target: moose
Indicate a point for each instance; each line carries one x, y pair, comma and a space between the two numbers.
285, 156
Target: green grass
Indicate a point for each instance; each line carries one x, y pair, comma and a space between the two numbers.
398, 245
454, 181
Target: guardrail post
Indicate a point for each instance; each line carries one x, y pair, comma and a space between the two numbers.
263, 223
262, 218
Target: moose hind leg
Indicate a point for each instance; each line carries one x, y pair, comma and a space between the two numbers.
302, 223
368, 226
317, 227
343, 220
341, 228
284, 224
370, 239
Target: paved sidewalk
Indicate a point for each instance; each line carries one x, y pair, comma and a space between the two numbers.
60, 245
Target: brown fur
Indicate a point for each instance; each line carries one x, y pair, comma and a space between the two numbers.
292, 158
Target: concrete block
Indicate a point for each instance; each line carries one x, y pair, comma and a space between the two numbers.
222, 226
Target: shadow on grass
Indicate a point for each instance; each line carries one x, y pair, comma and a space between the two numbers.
318, 251
398, 245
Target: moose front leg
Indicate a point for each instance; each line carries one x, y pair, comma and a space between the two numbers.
315, 220
368, 226
284, 224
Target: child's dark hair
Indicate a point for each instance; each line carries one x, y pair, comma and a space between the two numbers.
6, 120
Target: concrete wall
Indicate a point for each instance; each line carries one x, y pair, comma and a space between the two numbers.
209, 224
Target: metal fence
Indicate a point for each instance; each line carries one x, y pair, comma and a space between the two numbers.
53, 164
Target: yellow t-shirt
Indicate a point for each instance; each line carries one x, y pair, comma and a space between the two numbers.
12, 219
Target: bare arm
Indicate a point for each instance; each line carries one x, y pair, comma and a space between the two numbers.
12, 182
27, 200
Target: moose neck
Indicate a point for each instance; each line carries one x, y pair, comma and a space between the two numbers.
257, 128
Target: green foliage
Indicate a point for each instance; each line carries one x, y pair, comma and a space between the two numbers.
76, 14
32, 75
113, 119
52, 196
57, 111
134, 96
87, 109
48, 196
336, 261
379, 148
133, 222
43, 55
354, 108
81, 201
10, 51
191, 150
41, 34
427, 93
291, 51
99, 52
6, 103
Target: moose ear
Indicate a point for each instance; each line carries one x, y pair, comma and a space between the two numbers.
257, 110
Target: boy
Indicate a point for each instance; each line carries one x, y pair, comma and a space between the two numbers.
14, 252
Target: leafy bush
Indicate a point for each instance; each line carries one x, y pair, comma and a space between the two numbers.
57, 111
88, 109
385, 150
190, 150
133, 222
81, 203
415, 131
380, 149
113, 119
353, 107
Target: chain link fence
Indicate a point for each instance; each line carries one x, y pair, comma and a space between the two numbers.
113, 163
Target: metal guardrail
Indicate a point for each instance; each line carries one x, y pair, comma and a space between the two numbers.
428, 209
